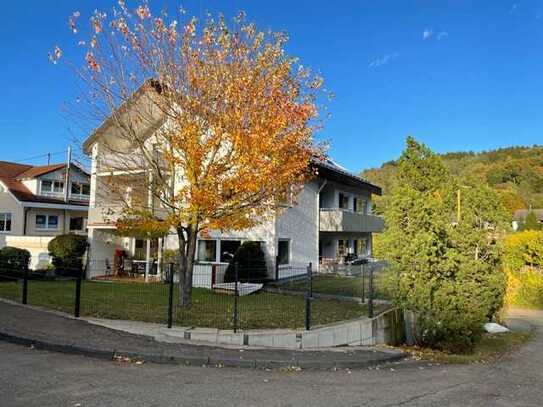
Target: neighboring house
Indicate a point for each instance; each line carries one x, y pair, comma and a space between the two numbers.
330, 220
520, 215
36, 205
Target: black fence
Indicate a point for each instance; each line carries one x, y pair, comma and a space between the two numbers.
225, 296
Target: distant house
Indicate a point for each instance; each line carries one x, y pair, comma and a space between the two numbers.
36, 205
520, 215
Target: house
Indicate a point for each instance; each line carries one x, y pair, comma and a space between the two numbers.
40, 202
520, 215
330, 221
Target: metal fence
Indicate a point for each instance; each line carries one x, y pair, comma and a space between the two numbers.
234, 296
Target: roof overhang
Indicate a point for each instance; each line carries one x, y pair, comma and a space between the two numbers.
342, 177
43, 205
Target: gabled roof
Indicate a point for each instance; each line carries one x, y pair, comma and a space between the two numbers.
328, 169
12, 174
34, 172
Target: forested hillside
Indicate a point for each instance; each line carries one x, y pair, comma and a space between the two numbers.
515, 172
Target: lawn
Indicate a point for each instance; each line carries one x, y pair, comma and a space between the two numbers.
334, 284
148, 302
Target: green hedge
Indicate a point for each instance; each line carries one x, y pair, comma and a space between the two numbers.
13, 259
67, 252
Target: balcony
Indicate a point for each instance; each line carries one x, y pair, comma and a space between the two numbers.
341, 220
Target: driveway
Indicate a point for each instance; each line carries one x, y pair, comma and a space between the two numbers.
30, 377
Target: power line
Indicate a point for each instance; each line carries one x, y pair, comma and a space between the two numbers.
40, 156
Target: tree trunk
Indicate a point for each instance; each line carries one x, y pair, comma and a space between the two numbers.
187, 251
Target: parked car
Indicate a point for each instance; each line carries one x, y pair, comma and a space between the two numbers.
358, 261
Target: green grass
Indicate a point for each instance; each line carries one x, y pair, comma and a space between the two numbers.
333, 284
487, 349
148, 302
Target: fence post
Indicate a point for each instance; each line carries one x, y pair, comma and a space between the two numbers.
363, 284
308, 297
25, 285
370, 299
78, 282
170, 294
236, 295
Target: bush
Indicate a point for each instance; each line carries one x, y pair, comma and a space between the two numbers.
525, 288
251, 264
67, 252
13, 259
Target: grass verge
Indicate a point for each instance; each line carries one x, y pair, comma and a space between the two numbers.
489, 348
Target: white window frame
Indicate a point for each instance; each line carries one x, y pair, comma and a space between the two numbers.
47, 222
5, 215
54, 184
215, 241
81, 194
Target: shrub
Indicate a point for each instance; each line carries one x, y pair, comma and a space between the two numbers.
251, 264
525, 288
13, 259
523, 249
67, 252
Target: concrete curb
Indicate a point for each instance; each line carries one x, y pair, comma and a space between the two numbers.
189, 360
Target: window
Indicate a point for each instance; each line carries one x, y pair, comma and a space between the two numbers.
342, 247
283, 251
46, 222
52, 186
77, 223
360, 205
361, 247
207, 250
5, 222
228, 248
80, 189
343, 201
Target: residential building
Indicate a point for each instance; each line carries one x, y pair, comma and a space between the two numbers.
40, 202
520, 215
330, 220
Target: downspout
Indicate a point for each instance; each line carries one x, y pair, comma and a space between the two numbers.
319, 217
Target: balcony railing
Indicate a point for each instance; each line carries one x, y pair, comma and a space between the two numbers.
341, 220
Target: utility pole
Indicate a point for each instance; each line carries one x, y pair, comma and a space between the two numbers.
67, 184
67, 177
458, 203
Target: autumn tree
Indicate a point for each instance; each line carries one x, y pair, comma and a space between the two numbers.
218, 116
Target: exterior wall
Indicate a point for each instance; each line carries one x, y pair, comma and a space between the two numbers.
299, 224
103, 245
75, 176
63, 221
37, 246
9, 204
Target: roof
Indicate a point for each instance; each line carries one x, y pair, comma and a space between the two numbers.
522, 213
12, 174
332, 171
148, 84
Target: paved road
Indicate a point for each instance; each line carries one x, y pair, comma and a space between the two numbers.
36, 378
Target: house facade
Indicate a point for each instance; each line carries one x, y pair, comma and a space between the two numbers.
520, 216
40, 202
329, 221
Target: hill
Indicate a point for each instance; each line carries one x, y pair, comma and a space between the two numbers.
515, 172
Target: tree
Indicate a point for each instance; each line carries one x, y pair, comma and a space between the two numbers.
444, 270
219, 117
530, 222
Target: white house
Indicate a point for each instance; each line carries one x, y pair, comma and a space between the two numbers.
40, 202
330, 220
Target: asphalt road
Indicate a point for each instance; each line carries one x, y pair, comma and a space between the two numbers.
29, 377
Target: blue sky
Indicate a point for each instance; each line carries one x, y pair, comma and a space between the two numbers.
458, 75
